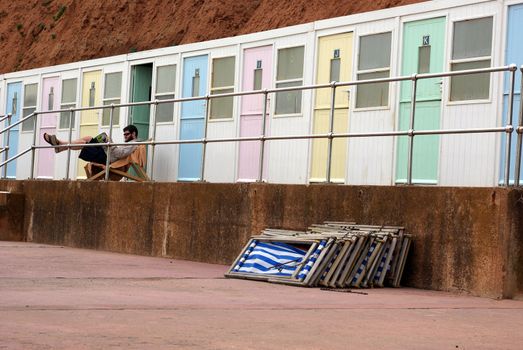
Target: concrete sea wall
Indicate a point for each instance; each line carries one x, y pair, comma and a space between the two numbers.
465, 239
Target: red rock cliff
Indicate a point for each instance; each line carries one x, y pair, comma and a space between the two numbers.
36, 33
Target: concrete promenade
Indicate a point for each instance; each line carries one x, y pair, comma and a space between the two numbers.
55, 297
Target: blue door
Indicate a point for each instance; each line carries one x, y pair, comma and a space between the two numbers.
192, 117
14, 103
513, 54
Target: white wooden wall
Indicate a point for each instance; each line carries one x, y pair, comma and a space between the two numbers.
288, 160
117, 127
23, 164
60, 164
472, 160
220, 159
370, 160
165, 156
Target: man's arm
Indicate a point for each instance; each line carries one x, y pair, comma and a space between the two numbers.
119, 152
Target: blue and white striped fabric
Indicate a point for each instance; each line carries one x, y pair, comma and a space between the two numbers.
382, 264
364, 263
331, 262
274, 258
312, 260
245, 255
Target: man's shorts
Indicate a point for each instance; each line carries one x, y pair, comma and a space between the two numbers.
94, 154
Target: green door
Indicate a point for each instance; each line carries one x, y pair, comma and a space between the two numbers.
141, 80
423, 52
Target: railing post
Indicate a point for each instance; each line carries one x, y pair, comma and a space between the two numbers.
520, 135
108, 158
6, 153
71, 117
153, 146
262, 141
509, 127
33, 146
410, 153
204, 141
331, 130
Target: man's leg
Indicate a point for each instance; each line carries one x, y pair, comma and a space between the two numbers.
53, 140
80, 141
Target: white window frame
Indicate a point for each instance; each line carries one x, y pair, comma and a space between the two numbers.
110, 100
216, 90
374, 70
68, 105
452, 61
158, 95
277, 82
24, 107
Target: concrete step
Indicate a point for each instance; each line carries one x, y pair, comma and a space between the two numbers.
12, 207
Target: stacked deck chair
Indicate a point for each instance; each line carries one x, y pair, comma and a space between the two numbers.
330, 255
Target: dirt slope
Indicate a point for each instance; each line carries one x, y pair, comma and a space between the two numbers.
35, 33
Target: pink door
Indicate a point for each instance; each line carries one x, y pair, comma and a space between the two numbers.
257, 73
50, 101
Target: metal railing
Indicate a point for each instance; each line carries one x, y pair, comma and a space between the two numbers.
5, 149
330, 136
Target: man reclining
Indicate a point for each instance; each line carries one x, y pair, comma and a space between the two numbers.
98, 154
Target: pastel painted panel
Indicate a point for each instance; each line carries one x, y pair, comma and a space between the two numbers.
91, 96
334, 63
50, 101
89, 120
194, 84
514, 54
190, 154
320, 146
141, 91
257, 75
13, 106
249, 154
426, 148
193, 117
331, 49
423, 48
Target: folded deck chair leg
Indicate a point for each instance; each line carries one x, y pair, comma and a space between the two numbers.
127, 175
139, 170
97, 176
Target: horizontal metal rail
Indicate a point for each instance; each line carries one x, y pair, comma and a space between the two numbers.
411, 133
4, 117
287, 137
16, 156
30, 116
285, 89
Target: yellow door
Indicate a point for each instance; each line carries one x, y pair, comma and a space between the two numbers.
334, 63
91, 96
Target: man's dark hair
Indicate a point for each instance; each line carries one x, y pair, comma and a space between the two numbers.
131, 128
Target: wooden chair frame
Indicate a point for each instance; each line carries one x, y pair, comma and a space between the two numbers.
119, 168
